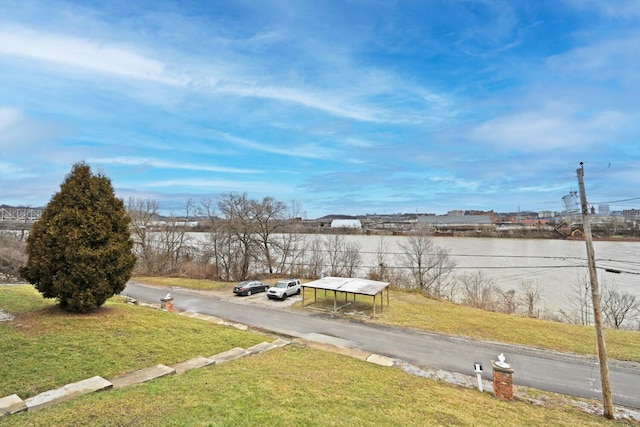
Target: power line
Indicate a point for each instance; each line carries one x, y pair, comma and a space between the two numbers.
616, 201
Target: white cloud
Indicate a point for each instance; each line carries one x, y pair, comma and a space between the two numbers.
196, 185
165, 164
93, 55
299, 150
535, 131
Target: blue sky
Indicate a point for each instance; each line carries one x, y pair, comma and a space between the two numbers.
345, 106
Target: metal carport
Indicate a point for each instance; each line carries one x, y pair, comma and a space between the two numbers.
349, 285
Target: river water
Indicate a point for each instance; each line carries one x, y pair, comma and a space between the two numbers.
554, 265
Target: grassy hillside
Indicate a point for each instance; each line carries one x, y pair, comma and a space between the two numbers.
46, 348
315, 389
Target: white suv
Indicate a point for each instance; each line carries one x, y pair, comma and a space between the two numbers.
284, 288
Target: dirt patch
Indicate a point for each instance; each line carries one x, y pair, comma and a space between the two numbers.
6, 317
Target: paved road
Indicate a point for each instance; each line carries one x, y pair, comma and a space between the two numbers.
544, 370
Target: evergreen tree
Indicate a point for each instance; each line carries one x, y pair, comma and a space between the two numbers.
80, 250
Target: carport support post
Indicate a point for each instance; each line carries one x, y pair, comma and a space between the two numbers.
374, 305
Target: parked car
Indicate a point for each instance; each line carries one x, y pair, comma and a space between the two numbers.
250, 287
284, 288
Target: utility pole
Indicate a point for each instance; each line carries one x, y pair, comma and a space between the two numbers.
595, 296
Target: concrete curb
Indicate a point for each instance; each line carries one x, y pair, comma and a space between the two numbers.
229, 355
142, 376
196, 362
67, 392
11, 405
259, 348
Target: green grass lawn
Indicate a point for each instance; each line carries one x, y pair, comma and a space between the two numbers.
315, 389
45, 348
415, 310
199, 284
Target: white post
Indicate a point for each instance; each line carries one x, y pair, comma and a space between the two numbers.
477, 367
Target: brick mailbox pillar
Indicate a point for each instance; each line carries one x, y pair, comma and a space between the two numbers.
502, 380
166, 303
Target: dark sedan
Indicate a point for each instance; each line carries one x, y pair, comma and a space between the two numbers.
250, 287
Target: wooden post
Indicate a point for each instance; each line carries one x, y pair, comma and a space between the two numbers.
595, 296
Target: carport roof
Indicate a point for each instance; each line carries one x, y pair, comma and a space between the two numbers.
350, 285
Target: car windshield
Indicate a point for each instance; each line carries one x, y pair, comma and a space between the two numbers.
281, 285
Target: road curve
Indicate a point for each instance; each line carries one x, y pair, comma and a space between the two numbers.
545, 370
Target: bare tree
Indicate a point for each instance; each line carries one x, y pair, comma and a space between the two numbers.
13, 254
530, 297
214, 243
380, 271
580, 299
335, 245
289, 253
236, 209
288, 243
428, 264
617, 306
267, 216
173, 239
352, 258
315, 257
143, 214
507, 301
478, 291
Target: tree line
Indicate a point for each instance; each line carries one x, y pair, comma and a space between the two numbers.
87, 243
248, 238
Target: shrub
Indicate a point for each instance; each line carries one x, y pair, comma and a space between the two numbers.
80, 250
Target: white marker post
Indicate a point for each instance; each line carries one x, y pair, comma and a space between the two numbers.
477, 367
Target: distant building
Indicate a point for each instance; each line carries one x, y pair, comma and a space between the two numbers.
454, 220
346, 223
604, 209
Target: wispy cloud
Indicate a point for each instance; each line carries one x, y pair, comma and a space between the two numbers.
342, 105
167, 164
92, 55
